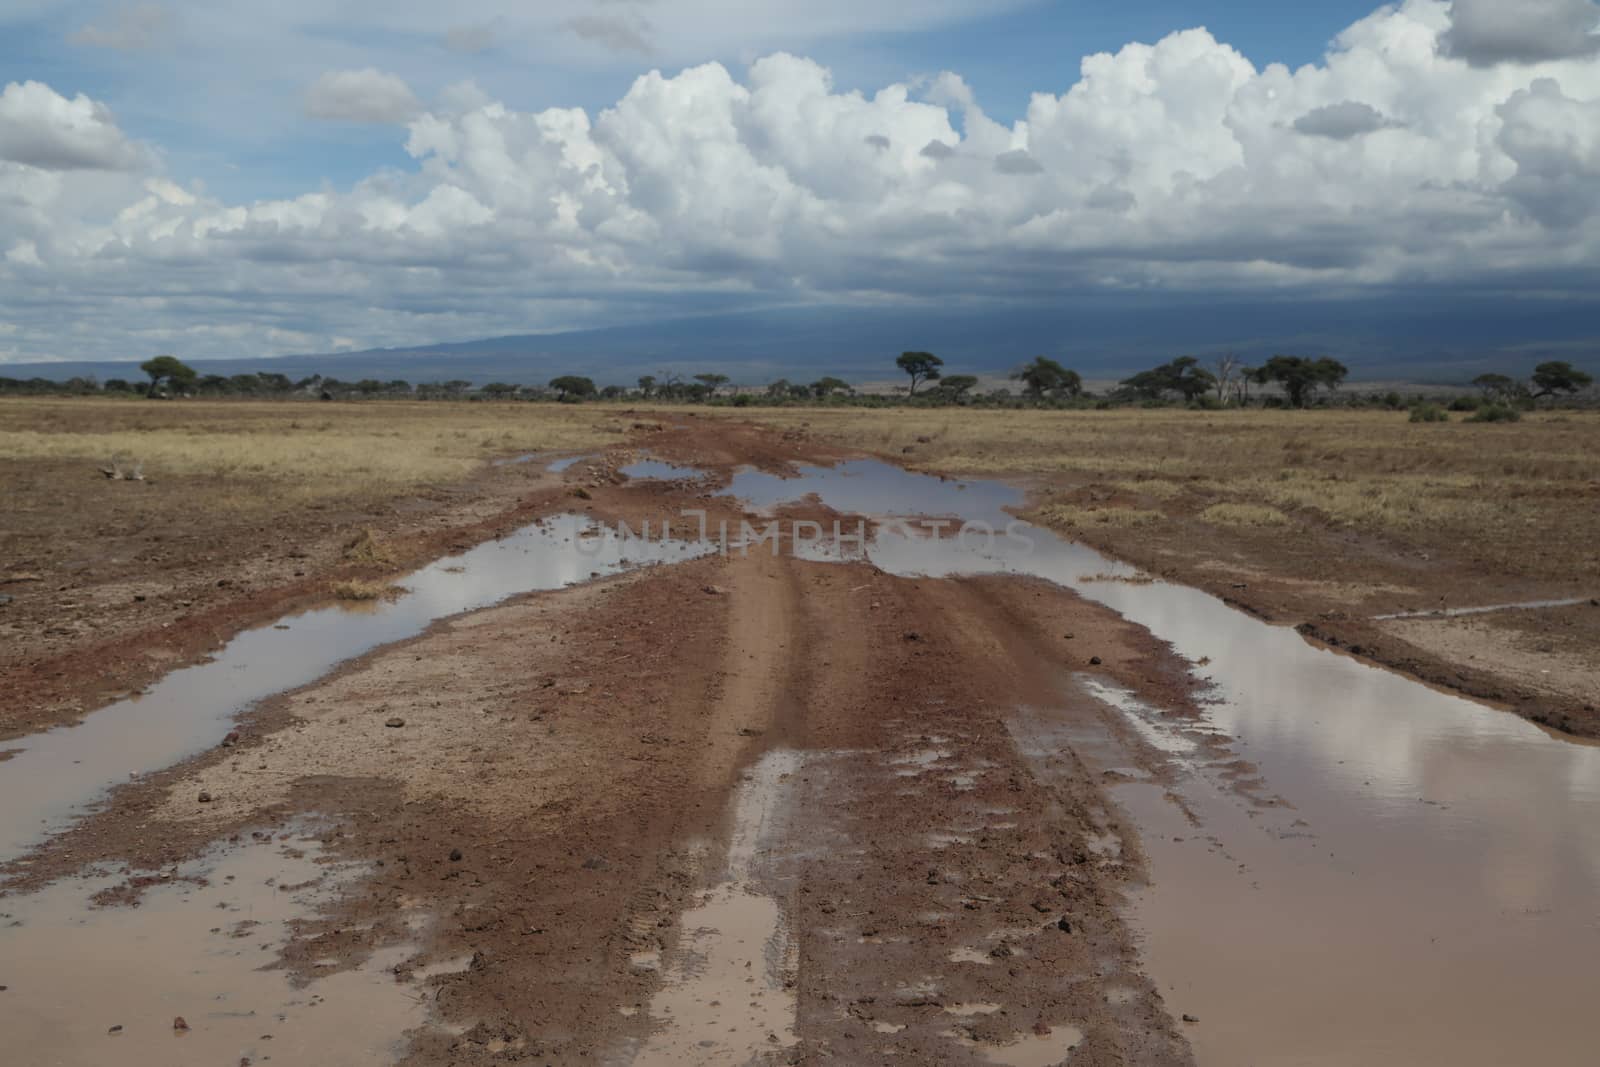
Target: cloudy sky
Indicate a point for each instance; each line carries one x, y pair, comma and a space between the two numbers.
246, 179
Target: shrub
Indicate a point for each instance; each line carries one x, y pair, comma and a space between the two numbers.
1429, 413
1464, 403
1496, 413
360, 589
366, 549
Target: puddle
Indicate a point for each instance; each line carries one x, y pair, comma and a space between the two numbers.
1455, 613
659, 470
727, 998
53, 775
1432, 890
514, 461
562, 465
868, 487
197, 952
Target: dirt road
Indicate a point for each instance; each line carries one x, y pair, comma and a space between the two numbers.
749, 807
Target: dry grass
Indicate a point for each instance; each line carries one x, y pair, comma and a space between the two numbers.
1072, 515
359, 589
266, 455
365, 548
1520, 497
1244, 515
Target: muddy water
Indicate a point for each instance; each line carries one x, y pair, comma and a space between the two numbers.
54, 774
727, 996
1406, 876
208, 943
649, 469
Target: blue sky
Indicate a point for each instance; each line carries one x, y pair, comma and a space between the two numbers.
233, 178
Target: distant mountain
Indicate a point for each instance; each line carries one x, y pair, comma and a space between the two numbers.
1435, 337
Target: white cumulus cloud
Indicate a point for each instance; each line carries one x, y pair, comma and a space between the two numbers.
41, 128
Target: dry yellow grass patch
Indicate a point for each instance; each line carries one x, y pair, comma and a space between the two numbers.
365, 548
1070, 515
1244, 515
1155, 488
268, 454
362, 589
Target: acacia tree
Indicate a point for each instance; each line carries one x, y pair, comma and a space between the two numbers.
1045, 377
712, 382
1183, 375
921, 366
1558, 376
572, 387
955, 386
178, 375
1300, 377
825, 387
1495, 386
647, 385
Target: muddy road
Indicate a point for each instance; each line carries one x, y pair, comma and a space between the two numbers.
911, 782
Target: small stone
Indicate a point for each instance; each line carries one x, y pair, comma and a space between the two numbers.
1190, 1018
455, 855
179, 1024
395, 723
1067, 636
117, 1029
204, 797
1064, 925
231, 740
714, 590
911, 635
1094, 661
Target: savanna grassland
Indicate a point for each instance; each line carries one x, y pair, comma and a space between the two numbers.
263, 456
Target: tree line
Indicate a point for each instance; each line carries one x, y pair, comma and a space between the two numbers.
1293, 381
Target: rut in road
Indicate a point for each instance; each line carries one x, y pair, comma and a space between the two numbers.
915, 890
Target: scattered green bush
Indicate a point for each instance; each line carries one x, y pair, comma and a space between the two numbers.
1429, 413
1496, 413
1465, 403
